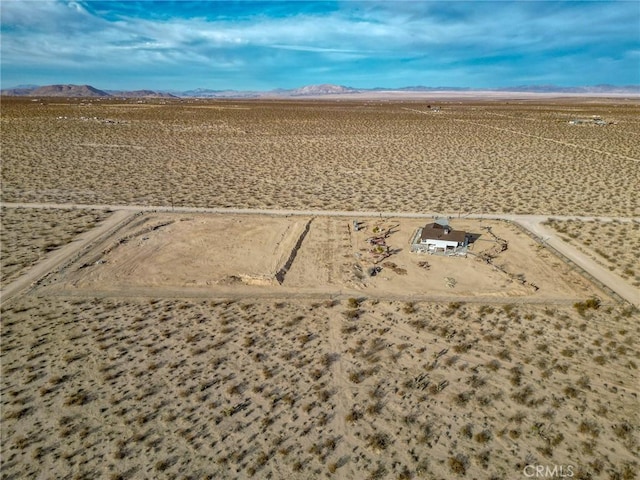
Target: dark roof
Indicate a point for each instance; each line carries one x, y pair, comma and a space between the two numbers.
442, 222
435, 231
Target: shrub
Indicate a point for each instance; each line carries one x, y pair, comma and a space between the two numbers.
353, 416
409, 308
589, 304
352, 314
79, 398
483, 436
467, 431
522, 395
379, 441
600, 359
483, 459
346, 329
622, 430
589, 427
375, 408
504, 354
493, 365
458, 464
379, 472
463, 397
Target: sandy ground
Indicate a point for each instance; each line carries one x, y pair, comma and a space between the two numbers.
29, 234
613, 244
59, 256
197, 250
353, 389
404, 155
223, 254
196, 344
620, 285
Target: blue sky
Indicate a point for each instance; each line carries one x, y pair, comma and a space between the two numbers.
244, 45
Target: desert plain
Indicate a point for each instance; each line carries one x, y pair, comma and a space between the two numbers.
185, 294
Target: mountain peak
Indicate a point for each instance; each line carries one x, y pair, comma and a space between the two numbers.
69, 91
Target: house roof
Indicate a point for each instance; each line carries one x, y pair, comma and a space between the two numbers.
436, 231
442, 221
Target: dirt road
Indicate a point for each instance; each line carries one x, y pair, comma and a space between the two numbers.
602, 274
63, 254
532, 223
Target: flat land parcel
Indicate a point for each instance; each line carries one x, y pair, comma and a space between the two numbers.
191, 345
298, 256
519, 157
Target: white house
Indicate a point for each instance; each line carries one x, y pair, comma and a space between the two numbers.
440, 237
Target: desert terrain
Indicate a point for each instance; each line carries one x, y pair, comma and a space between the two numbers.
612, 244
145, 337
413, 156
27, 235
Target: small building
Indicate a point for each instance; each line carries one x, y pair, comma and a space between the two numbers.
440, 237
594, 120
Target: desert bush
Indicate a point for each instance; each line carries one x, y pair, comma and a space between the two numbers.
483, 437
349, 328
458, 464
353, 416
522, 396
419, 324
483, 458
504, 354
357, 377
80, 397
493, 365
409, 308
379, 473
589, 304
422, 469
353, 303
379, 441
352, 314
375, 408
467, 431
463, 398
623, 429
600, 359
589, 427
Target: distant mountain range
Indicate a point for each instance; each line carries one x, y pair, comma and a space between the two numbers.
79, 91
306, 91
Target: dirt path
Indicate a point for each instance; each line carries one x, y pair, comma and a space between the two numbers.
602, 274
553, 140
61, 255
547, 139
283, 294
532, 223
314, 213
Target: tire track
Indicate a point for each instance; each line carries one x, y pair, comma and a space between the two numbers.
566, 144
63, 254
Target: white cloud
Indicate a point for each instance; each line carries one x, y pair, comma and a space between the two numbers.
63, 34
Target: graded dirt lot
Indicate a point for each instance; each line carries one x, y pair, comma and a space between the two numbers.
222, 254
196, 250
412, 156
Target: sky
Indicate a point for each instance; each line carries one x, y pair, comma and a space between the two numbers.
246, 45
